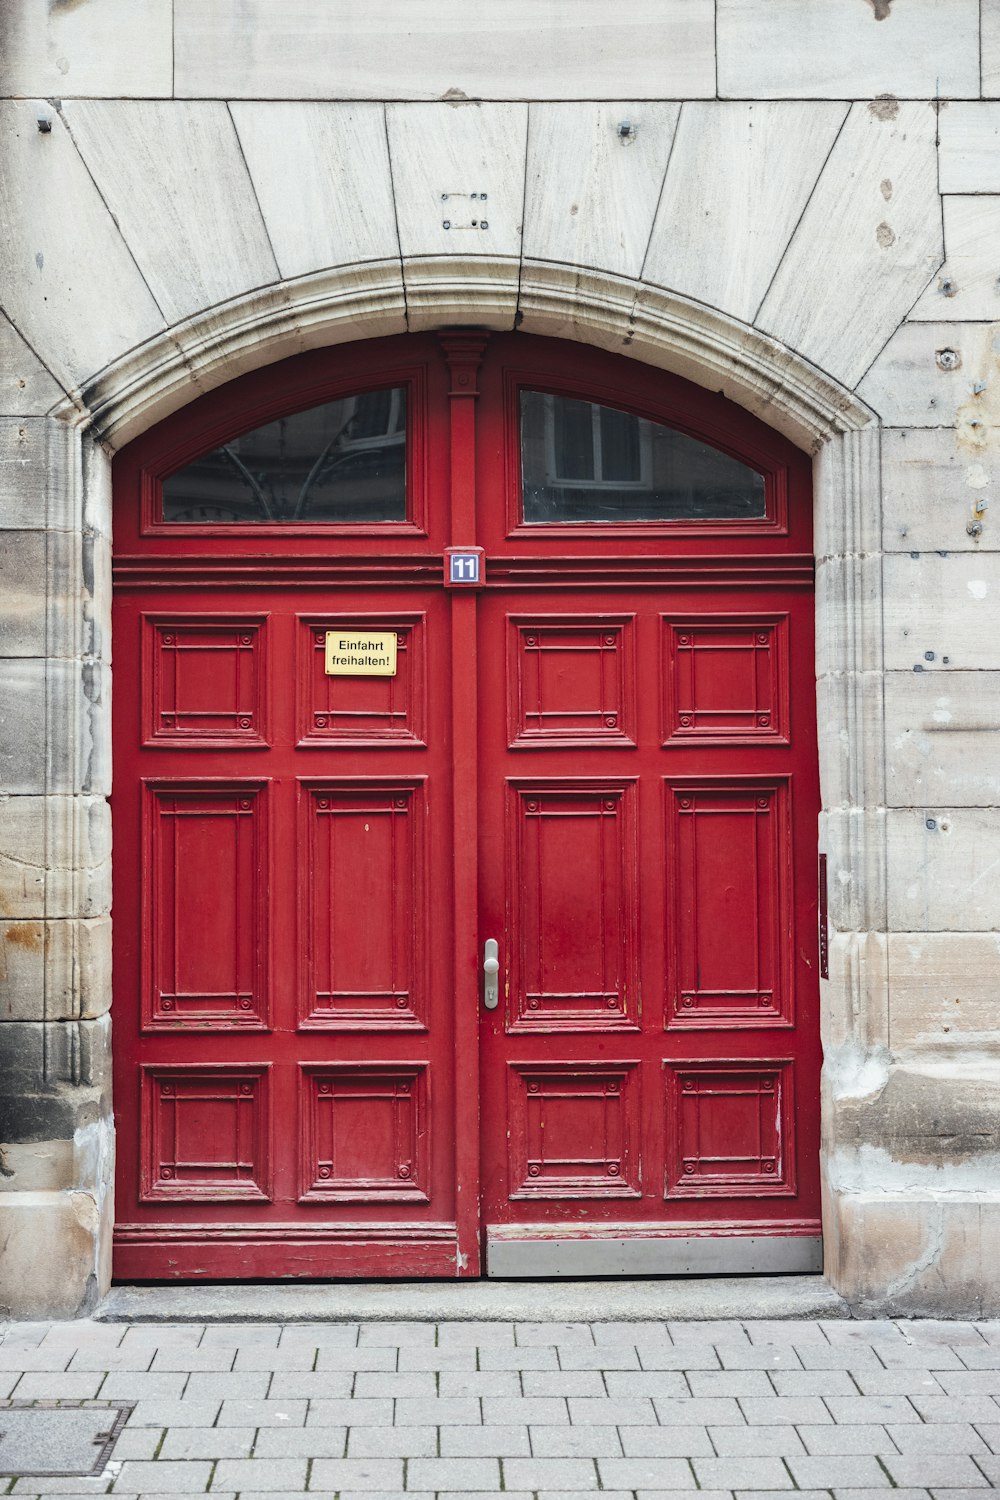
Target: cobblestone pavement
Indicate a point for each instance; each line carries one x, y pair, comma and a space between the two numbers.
459, 1409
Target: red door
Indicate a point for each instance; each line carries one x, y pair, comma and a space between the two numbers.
593, 756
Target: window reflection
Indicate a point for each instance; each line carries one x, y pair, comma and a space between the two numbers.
343, 461
585, 462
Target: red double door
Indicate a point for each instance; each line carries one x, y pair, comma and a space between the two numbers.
601, 757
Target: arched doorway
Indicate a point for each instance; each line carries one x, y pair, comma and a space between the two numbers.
434, 642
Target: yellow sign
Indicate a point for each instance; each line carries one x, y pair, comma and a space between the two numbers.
361, 653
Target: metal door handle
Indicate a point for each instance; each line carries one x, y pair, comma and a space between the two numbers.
491, 971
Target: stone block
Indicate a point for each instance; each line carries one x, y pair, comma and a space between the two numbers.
849, 720
27, 388
944, 992
848, 592
591, 192
55, 1082
942, 864
334, 157
855, 1000
940, 375
795, 49
970, 138
55, 857
940, 732
578, 49
966, 287
46, 603
174, 179
55, 971
116, 47
39, 478
854, 840
990, 44
867, 242
71, 285
54, 727
942, 612
65, 1282
931, 484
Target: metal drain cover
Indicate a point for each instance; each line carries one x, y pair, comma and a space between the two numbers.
49, 1440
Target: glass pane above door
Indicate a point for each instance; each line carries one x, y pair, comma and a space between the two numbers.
581, 462
344, 461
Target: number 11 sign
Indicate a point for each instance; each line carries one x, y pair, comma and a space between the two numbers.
463, 566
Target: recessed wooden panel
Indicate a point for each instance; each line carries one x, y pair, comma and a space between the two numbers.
574, 1130
725, 679
362, 710
728, 1129
362, 906
204, 681
572, 906
570, 681
364, 1133
205, 929
205, 1132
729, 923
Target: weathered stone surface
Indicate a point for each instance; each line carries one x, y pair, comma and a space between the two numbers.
940, 375
932, 486
321, 175
55, 971
847, 593
55, 857
174, 179
44, 598
54, 727
941, 611
39, 480
874, 212
967, 287
796, 49
578, 49
990, 45
55, 1078
944, 991
26, 386
65, 1282
70, 284
591, 192
116, 47
749, 168
940, 738
970, 137
854, 841
855, 1006
943, 866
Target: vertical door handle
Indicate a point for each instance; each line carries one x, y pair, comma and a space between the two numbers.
491, 974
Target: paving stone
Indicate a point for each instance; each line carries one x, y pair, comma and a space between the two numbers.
758, 1357
142, 1442
947, 1494
529, 1410
863, 1409
493, 1441
262, 1414
395, 1383
670, 1442
551, 1474
990, 1466
174, 1413
454, 1474
920, 1356
846, 1471
136, 1360
293, 1357
604, 1357
173, 1478
480, 1335
356, 1359
646, 1473
648, 1383
674, 1357
484, 1383
350, 1413
838, 1357
393, 1442
18, 1359
749, 1473
877, 1494
241, 1335
900, 1382
812, 1383
774, 1331
940, 1331
244, 1385
957, 1408
706, 1332
987, 1358
436, 1411
206, 1442
307, 1442
327, 1385
949, 1470
990, 1434
969, 1382
320, 1335
260, 1474
758, 1441
62, 1386
864, 1331
731, 1383
718, 1411
459, 1357
397, 1334
553, 1333
781, 1494
629, 1333
937, 1437
569, 1382
847, 1438
357, 1474
781, 1410
618, 1413
138, 1386
523, 1358
580, 1442
213, 1361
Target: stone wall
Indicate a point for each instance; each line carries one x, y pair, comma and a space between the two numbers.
804, 214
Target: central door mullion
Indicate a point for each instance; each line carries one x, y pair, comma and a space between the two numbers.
463, 353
